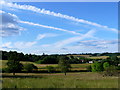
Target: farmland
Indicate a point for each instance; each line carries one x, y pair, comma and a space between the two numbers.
76, 78
59, 80
43, 66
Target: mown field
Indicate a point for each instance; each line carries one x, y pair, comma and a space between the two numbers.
59, 80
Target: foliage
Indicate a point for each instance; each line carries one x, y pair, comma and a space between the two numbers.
48, 60
115, 60
30, 67
54, 59
106, 65
110, 71
89, 68
64, 64
118, 67
14, 66
50, 69
73, 60
97, 67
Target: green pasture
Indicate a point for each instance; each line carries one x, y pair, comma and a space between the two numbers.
71, 80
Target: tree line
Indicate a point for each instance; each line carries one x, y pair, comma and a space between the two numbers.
14, 65
41, 59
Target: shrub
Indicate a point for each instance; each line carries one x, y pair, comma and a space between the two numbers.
39, 62
97, 67
50, 69
106, 65
110, 71
89, 68
30, 67
118, 67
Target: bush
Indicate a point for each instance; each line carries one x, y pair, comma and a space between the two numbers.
110, 71
4, 70
30, 67
89, 68
118, 67
97, 67
106, 65
39, 62
50, 69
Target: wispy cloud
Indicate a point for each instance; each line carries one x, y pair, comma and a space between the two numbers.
21, 45
50, 27
62, 43
43, 11
7, 44
9, 25
97, 43
41, 36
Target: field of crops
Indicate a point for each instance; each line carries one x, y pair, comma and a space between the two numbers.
98, 57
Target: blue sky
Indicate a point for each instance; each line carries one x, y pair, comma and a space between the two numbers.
59, 27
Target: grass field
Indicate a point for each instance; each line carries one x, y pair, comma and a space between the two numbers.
57, 80
71, 80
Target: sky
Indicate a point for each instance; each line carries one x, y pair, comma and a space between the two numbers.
59, 27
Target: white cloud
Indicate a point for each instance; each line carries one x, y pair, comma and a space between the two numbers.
21, 45
50, 27
7, 44
41, 36
9, 24
43, 11
97, 43
17, 45
62, 43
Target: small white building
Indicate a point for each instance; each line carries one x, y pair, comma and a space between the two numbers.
90, 62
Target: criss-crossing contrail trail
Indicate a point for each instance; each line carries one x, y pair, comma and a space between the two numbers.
43, 11
50, 27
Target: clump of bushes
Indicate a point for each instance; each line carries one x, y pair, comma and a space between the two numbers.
108, 70
89, 68
50, 69
30, 67
96, 67
106, 65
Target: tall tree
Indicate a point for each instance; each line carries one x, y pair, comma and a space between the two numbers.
64, 64
14, 64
